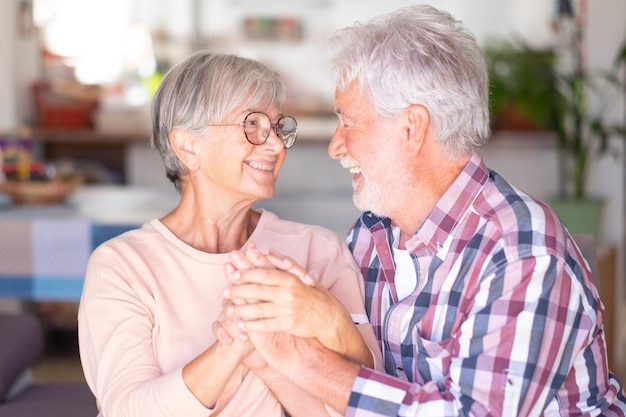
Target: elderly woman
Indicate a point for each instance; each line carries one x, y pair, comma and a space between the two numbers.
152, 295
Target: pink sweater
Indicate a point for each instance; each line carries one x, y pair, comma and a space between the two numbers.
148, 304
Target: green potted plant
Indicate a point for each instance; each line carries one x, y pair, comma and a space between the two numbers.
523, 86
582, 128
570, 103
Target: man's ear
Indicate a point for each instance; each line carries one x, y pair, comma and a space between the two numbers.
183, 144
418, 122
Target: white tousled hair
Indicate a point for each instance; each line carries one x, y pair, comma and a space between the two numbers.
419, 55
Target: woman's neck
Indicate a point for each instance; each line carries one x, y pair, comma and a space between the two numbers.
210, 227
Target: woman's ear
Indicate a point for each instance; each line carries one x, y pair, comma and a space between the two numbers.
183, 144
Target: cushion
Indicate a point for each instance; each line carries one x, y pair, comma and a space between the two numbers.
22, 344
58, 399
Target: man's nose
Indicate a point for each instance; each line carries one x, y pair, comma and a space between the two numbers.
336, 147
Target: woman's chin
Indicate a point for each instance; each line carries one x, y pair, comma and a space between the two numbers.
268, 194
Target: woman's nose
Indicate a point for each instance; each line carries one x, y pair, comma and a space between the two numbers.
274, 140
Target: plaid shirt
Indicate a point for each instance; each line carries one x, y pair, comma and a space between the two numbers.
505, 320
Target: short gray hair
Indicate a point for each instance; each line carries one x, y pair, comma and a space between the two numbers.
203, 89
419, 55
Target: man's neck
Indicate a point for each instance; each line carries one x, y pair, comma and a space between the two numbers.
419, 203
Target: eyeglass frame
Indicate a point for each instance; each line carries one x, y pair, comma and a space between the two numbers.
272, 126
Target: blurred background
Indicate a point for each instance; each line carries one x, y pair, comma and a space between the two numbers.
76, 78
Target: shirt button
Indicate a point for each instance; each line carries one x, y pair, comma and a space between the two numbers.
400, 371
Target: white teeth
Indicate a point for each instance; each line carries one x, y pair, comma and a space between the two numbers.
263, 167
350, 164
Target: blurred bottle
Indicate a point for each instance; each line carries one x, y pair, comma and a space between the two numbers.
2, 146
24, 153
9, 155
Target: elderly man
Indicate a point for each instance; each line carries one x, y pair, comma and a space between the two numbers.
481, 301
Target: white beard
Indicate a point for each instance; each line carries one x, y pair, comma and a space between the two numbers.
368, 197
380, 197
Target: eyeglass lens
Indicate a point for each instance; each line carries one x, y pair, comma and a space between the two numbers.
257, 127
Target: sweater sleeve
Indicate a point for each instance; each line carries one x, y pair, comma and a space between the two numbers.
116, 321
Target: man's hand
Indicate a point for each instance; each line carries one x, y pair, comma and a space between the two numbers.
268, 299
273, 294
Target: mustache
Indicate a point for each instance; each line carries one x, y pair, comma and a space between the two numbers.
348, 162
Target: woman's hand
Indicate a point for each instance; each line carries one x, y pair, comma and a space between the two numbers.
279, 296
227, 333
274, 260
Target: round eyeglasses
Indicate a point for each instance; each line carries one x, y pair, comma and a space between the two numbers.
257, 125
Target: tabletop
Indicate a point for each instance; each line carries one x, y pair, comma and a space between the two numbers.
44, 249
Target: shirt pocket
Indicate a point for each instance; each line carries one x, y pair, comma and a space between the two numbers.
432, 357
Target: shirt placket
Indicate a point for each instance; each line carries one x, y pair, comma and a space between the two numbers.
399, 314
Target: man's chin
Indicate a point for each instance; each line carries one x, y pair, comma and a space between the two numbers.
363, 206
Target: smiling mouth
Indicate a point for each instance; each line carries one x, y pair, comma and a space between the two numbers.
350, 164
260, 166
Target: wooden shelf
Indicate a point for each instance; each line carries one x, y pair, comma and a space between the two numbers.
87, 136
89, 146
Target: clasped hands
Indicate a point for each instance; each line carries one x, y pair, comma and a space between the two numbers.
272, 305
